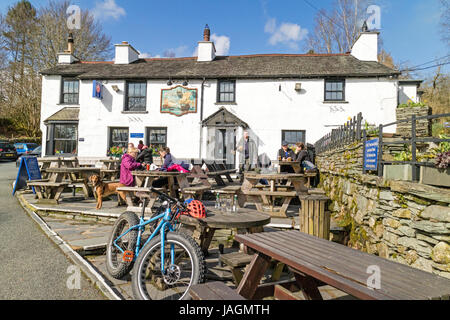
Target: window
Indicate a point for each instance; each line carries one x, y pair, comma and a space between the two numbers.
69, 91
118, 137
157, 137
62, 138
334, 90
226, 91
136, 97
293, 136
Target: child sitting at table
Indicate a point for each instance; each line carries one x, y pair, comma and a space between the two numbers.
128, 165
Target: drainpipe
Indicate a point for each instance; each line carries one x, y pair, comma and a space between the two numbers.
201, 119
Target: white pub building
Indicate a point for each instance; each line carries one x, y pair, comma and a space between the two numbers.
200, 106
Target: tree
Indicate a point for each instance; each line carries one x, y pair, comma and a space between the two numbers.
336, 30
30, 41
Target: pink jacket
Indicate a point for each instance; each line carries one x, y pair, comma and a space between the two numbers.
128, 164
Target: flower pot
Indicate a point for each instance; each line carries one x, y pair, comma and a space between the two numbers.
399, 172
435, 176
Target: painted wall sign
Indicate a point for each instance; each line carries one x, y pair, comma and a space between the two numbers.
178, 100
136, 135
371, 155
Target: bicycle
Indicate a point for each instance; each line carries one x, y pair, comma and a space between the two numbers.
163, 267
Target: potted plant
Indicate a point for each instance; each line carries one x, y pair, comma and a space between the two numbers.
116, 152
439, 175
400, 171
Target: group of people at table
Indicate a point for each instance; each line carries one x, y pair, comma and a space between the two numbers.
141, 158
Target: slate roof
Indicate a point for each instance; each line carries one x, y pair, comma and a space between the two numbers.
267, 66
65, 114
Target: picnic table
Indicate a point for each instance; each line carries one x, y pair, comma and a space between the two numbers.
110, 170
246, 219
78, 175
316, 262
264, 198
56, 162
145, 178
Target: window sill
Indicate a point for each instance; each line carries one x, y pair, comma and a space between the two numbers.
75, 105
227, 103
335, 101
134, 112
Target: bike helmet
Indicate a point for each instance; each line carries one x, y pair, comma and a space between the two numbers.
197, 209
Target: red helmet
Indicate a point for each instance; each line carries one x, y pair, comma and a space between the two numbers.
197, 209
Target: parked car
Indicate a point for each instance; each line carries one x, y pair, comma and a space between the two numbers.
35, 153
24, 148
8, 151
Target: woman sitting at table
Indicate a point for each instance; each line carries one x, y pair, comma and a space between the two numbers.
128, 165
302, 156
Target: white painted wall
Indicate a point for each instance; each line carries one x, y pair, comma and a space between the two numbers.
408, 92
259, 103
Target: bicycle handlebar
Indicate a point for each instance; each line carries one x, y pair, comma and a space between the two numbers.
167, 197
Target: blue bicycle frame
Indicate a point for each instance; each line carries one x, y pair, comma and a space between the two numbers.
166, 223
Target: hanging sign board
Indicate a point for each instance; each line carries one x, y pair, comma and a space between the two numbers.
97, 89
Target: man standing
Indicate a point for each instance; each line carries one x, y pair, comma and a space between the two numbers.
248, 154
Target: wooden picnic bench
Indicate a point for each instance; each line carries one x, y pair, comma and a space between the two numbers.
217, 170
140, 192
316, 262
213, 291
48, 192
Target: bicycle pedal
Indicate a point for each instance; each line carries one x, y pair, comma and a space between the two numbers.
128, 256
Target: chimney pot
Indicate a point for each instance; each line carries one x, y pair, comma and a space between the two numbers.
70, 48
206, 33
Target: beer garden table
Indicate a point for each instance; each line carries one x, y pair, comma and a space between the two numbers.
246, 219
264, 199
145, 178
75, 175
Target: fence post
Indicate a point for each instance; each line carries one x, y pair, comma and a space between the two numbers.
413, 148
380, 150
364, 137
358, 126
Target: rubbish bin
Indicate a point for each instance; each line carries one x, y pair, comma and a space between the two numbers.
314, 215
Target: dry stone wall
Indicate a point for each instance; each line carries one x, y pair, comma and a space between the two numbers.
399, 220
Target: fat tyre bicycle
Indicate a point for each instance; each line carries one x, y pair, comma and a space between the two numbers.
164, 267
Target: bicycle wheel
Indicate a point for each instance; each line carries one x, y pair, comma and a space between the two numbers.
189, 268
115, 264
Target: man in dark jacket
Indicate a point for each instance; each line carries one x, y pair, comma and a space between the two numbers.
284, 153
145, 156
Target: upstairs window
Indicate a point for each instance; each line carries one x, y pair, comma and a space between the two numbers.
334, 90
136, 96
70, 91
226, 91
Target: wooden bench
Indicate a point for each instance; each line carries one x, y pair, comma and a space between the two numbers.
236, 261
315, 262
216, 171
139, 192
46, 191
213, 291
195, 192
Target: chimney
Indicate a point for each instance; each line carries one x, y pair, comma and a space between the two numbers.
365, 47
206, 48
125, 53
67, 56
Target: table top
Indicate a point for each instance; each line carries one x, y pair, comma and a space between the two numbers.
345, 268
269, 176
156, 173
110, 160
243, 218
70, 170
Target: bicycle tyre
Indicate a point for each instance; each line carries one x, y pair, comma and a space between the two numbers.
140, 266
118, 269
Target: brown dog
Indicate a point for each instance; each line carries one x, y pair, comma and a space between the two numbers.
102, 189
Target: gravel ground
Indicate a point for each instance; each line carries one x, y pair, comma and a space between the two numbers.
32, 266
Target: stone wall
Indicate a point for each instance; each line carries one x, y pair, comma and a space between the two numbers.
400, 220
423, 126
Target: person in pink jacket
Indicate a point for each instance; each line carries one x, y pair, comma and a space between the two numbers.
129, 164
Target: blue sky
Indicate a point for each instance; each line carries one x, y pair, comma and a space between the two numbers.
409, 28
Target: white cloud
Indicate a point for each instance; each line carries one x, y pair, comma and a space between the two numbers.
145, 55
287, 33
222, 44
108, 9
